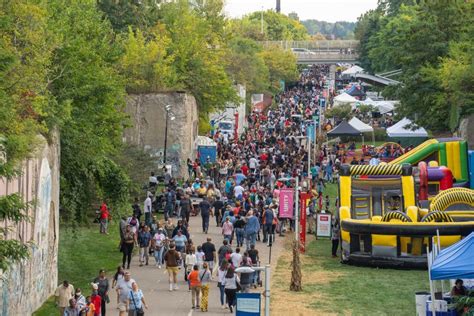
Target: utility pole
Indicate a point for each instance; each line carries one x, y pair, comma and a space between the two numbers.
261, 21
278, 6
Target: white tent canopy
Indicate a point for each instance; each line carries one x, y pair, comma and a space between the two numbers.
344, 98
402, 129
381, 106
353, 70
360, 126
204, 141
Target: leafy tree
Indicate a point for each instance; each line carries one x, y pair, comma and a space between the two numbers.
89, 84
199, 60
278, 27
281, 65
26, 107
337, 30
145, 63
416, 38
343, 112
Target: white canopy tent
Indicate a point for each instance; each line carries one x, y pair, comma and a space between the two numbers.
402, 129
353, 70
344, 98
381, 106
362, 127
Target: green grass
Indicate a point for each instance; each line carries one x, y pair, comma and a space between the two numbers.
360, 290
82, 253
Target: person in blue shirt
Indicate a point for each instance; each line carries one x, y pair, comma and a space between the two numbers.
136, 300
239, 177
268, 217
251, 229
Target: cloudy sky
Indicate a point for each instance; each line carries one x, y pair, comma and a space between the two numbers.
325, 10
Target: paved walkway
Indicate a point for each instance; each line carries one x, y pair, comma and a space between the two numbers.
154, 281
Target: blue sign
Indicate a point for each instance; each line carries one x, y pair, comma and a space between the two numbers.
248, 304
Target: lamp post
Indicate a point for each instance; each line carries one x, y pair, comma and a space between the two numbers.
170, 116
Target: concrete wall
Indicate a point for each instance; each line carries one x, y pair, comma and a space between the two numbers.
466, 130
148, 116
25, 286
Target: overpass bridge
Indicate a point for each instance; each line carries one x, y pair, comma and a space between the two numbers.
320, 52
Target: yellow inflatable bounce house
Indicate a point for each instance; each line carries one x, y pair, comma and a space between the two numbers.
383, 224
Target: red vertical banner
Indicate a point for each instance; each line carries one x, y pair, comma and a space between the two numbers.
304, 198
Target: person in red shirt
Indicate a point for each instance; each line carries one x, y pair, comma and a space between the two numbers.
104, 218
245, 169
96, 299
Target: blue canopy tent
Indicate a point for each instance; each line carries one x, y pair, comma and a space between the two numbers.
455, 262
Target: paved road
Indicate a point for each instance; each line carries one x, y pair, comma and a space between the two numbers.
154, 282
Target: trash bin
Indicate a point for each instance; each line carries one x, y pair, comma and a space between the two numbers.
420, 300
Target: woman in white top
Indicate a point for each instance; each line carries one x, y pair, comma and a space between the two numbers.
190, 261
230, 287
221, 272
205, 278
158, 243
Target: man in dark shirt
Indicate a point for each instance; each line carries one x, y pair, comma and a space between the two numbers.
205, 208
253, 254
186, 207
267, 228
209, 253
218, 206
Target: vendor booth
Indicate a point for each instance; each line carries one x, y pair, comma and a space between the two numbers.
362, 127
401, 132
344, 98
453, 262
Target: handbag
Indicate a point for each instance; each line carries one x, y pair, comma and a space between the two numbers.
138, 311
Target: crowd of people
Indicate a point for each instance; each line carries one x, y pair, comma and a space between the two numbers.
239, 192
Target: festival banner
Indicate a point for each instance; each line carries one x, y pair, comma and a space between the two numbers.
286, 203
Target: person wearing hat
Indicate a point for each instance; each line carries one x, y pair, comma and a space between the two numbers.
96, 299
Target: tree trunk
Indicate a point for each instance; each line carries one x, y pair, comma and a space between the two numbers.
295, 285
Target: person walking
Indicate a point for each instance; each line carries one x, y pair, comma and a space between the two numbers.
63, 294
103, 290
136, 301
239, 230
227, 229
96, 299
147, 206
144, 241
195, 286
218, 207
205, 208
251, 229
205, 278
172, 258
129, 240
73, 309
221, 273
123, 289
224, 250
209, 250
231, 282
158, 244
186, 207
